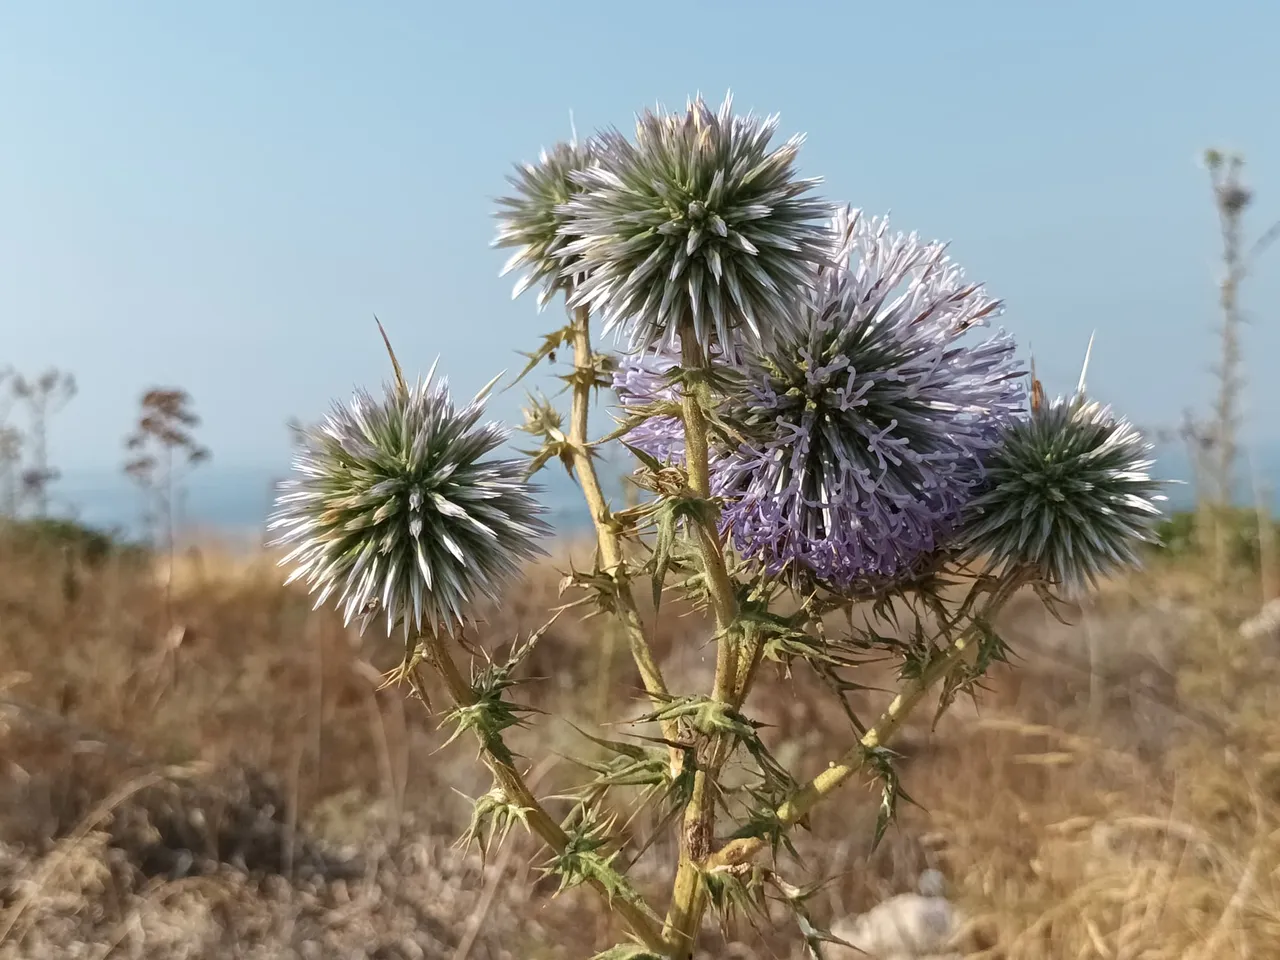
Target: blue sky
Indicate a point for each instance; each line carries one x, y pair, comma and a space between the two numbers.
222, 195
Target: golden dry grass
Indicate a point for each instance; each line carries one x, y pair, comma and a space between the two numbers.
226, 780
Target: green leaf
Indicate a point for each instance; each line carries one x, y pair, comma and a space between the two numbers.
541, 419
588, 858
665, 521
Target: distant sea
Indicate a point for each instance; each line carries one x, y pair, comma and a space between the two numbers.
236, 501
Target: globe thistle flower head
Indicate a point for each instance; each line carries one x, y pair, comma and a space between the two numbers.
868, 419
1068, 493
532, 219
697, 223
394, 508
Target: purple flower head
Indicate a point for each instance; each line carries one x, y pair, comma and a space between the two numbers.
867, 421
869, 418
641, 379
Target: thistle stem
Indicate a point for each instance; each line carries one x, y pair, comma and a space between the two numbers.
630, 909
608, 541
854, 760
688, 895
720, 586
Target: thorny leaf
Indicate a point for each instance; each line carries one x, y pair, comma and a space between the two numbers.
712, 718
635, 416
880, 761
541, 419
815, 936
598, 376
782, 639
492, 817
707, 716
762, 823
603, 588
491, 713
632, 751
777, 778
647, 460
991, 648
704, 384
627, 521
918, 651
668, 517
796, 899
413, 653
649, 769
1052, 602
588, 858
738, 892
669, 480
551, 342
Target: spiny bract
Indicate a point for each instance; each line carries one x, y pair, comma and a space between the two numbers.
1068, 491
699, 224
533, 219
394, 508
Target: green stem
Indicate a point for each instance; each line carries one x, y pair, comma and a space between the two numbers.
513, 785
607, 540
724, 599
688, 895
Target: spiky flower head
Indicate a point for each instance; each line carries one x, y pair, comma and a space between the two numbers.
697, 223
533, 221
867, 420
393, 508
1068, 492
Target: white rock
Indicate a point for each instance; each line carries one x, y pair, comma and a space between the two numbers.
909, 926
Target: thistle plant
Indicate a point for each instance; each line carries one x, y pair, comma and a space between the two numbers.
823, 426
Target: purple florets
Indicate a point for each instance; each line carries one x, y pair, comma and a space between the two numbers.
867, 420
640, 379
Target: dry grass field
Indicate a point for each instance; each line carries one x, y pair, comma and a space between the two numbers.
211, 771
